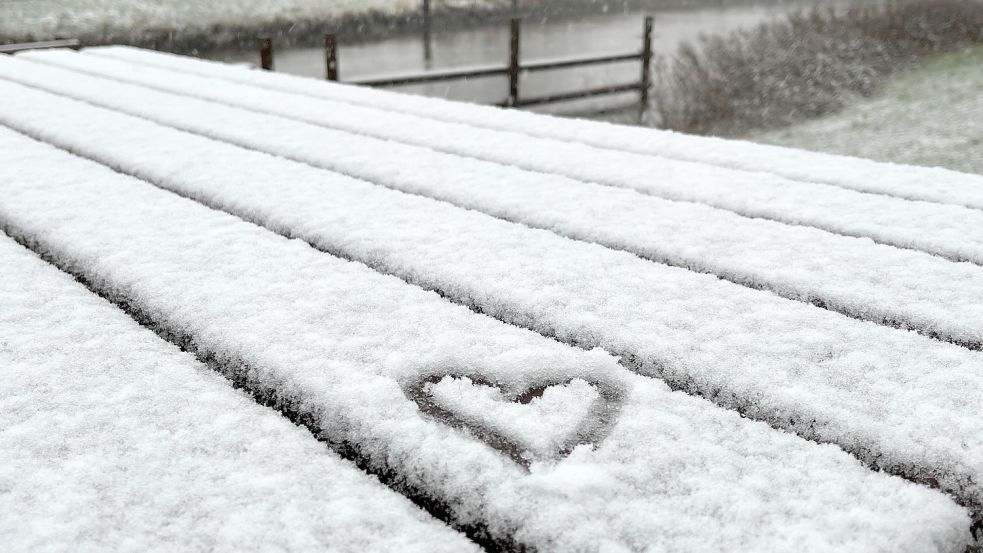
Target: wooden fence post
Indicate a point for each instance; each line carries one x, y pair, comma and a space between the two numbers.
514, 38
427, 36
266, 54
646, 66
331, 56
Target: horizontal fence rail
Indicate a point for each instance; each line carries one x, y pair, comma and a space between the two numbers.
513, 70
575, 95
563, 63
432, 76
72, 43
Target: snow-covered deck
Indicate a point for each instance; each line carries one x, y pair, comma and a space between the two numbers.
669, 326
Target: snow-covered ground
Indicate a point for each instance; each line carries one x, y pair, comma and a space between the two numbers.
931, 115
43, 19
202, 24
198, 217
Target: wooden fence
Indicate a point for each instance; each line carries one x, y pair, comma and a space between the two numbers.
513, 70
72, 43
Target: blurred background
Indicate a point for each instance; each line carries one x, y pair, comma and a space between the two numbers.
894, 80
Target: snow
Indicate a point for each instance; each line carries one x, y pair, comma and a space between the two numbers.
788, 363
115, 440
904, 181
944, 230
44, 19
338, 342
930, 114
853, 276
559, 407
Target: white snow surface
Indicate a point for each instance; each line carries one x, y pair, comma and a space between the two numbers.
559, 408
877, 392
904, 181
944, 230
114, 440
337, 342
851, 275
44, 19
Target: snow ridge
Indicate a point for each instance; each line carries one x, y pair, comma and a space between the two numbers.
340, 342
902, 181
942, 230
847, 275
113, 439
877, 392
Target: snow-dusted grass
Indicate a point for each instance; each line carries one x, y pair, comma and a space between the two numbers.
805, 64
201, 25
112, 439
43, 19
878, 392
931, 115
338, 343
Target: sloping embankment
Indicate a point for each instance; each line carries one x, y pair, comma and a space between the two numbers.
186, 26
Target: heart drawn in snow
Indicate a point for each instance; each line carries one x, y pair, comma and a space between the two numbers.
540, 422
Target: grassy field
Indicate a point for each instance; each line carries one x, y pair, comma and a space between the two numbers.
185, 25
930, 115
99, 21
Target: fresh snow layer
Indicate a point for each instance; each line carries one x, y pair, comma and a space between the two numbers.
559, 408
112, 439
44, 19
339, 344
878, 392
943, 230
920, 183
930, 113
854, 276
